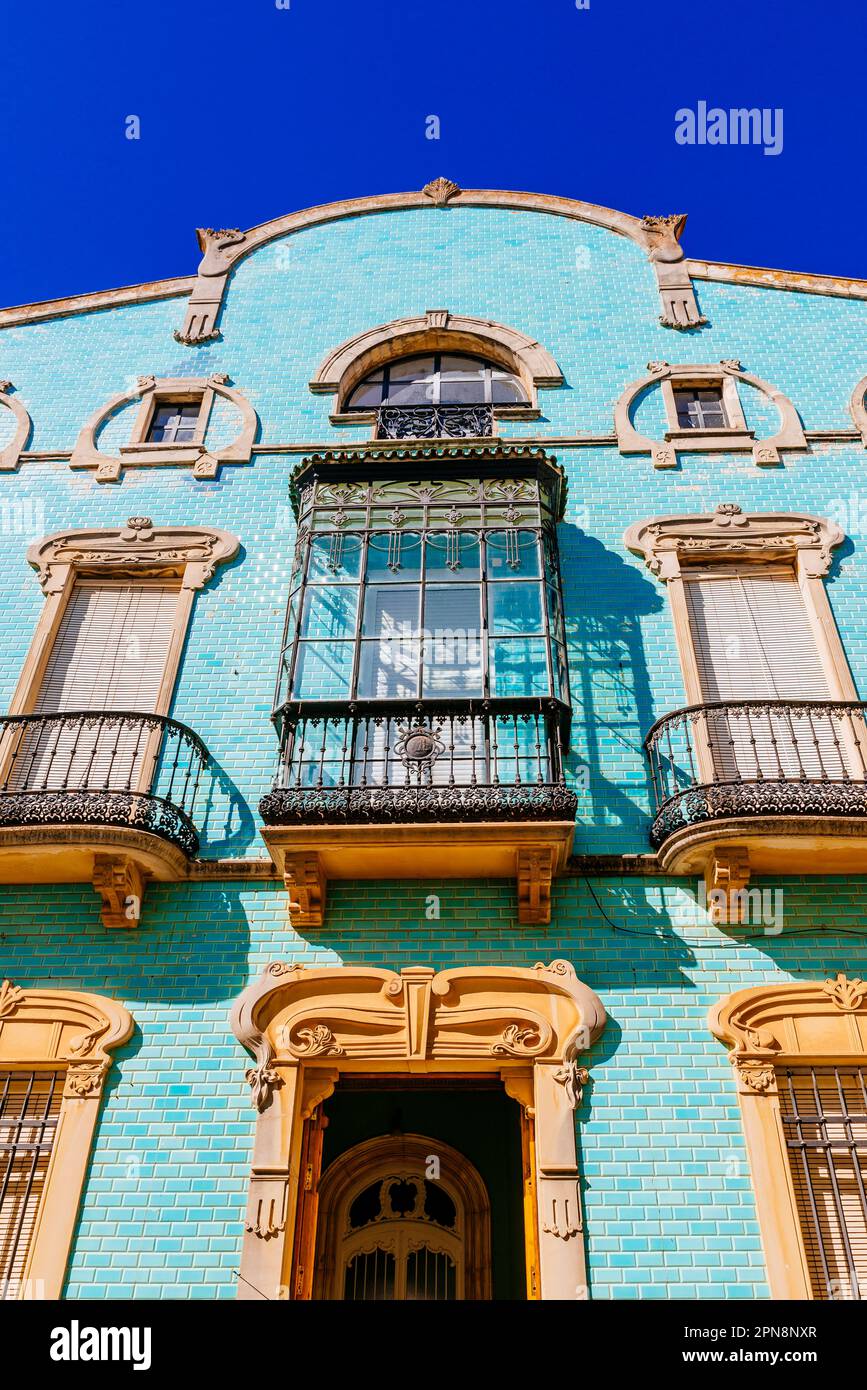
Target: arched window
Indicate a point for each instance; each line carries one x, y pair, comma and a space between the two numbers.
440, 394
391, 1231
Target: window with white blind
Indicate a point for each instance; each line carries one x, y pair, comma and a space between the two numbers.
109, 655
29, 1109
824, 1115
753, 640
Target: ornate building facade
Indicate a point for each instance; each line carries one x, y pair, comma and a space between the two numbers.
433, 811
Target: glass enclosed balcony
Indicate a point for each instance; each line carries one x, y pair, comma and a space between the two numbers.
423, 674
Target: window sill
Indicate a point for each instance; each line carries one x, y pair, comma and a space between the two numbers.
353, 417
500, 412
517, 412
707, 440
161, 453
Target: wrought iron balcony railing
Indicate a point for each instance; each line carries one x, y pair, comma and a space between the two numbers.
102, 768
757, 758
434, 421
406, 761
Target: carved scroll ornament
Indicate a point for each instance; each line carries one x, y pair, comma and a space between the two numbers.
293, 1014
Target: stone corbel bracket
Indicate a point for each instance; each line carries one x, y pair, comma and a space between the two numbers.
12, 453
676, 293
203, 306
664, 452
204, 464
858, 408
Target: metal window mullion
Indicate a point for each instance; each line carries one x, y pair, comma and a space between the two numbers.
855, 1154
421, 613
485, 633
361, 587
832, 1174
555, 552
546, 617
808, 1180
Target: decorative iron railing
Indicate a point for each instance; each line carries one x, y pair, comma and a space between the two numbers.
757, 758
406, 761
102, 768
434, 421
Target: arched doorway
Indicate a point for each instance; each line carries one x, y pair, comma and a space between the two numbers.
403, 1217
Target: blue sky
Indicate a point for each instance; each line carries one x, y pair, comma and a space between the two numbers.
248, 111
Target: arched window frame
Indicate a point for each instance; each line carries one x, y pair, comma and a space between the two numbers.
799, 1023
437, 330
72, 1034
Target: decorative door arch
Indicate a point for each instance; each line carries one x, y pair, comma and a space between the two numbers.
388, 1230
305, 1028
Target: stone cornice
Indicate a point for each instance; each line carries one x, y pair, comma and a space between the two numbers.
294, 1014
60, 1026
139, 548
621, 223
802, 1021
731, 534
803, 281
64, 307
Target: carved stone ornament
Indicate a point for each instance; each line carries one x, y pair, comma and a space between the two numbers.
261, 1080
756, 1078
677, 296
139, 453
293, 1014
203, 306
728, 533
10, 997
310, 1026
10, 455
315, 1041
848, 995
84, 1079
796, 1023
120, 883
562, 1218
732, 437
266, 1222
440, 191
573, 1078
139, 548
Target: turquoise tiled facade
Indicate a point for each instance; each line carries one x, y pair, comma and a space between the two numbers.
668, 1201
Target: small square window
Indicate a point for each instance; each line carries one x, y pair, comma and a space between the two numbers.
701, 409
174, 422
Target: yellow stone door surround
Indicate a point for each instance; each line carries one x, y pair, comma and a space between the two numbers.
308, 1027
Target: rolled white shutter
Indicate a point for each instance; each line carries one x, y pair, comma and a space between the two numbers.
110, 650
109, 655
753, 641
